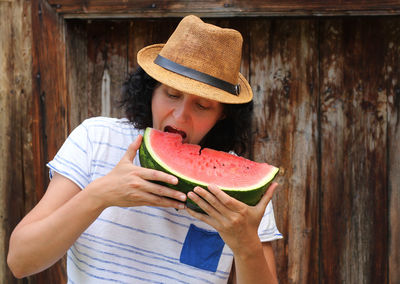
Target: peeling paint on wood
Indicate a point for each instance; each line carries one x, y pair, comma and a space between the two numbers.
282, 68
105, 94
353, 144
106, 49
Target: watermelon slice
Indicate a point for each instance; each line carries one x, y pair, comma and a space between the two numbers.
242, 179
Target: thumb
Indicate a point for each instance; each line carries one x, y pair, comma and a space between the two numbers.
262, 204
132, 149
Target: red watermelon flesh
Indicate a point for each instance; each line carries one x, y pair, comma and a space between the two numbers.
207, 166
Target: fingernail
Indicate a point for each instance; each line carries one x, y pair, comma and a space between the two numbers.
181, 206
182, 197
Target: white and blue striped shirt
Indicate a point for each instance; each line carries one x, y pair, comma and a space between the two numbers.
138, 244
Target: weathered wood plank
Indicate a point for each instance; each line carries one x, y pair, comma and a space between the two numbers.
139, 32
6, 99
16, 173
107, 50
243, 27
107, 65
50, 105
335, 207
77, 62
391, 72
235, 8
145, 32
283, 76
339, 194
353, 121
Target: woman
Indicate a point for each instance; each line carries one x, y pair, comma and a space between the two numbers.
104, 209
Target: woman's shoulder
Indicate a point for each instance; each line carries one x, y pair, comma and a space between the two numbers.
106, 121
100, 126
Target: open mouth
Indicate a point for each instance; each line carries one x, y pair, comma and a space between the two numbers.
174, 130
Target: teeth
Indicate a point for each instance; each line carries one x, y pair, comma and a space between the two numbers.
174, 130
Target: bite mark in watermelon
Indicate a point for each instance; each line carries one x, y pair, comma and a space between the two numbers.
241, 178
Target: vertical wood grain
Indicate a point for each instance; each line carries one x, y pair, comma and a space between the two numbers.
16, 177
353, 147
391, 73
106, 52
336, 206
140, 35
146, 32
244, 28
50, 106
77, 71
283, 60
6, 99
327, 111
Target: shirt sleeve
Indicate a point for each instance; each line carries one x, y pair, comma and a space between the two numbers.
73, 159
267, 231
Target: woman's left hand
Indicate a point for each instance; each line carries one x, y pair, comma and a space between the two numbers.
235, 221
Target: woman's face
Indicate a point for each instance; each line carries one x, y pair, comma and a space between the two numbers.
189, 115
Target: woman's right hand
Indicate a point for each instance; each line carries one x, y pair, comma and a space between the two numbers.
128, 185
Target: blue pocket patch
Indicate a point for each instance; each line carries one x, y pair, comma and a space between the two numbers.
202, 249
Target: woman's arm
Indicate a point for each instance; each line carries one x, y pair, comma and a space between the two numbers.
65, 211
46, 233
237, 225
269, 257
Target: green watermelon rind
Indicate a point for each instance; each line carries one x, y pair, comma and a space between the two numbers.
251, 195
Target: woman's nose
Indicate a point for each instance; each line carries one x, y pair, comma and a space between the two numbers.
181, 112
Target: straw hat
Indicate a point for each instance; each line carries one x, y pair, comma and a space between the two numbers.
199, 59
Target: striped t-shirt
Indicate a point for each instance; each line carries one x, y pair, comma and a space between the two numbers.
138, 244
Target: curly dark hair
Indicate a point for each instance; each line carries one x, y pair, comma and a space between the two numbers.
231, 133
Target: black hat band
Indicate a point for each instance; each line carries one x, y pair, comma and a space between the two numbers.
197, 75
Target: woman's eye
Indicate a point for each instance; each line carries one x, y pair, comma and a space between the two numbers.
202, 107
172, 96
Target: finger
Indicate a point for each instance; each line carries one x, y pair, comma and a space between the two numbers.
266, 198
197, 197
155, 175
201, 216
163, 191
229, 202
167, 202
160, 201
211, 198
132, 148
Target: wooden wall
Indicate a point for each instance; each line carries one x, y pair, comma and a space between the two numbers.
327, 110
33, 113
15, 144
